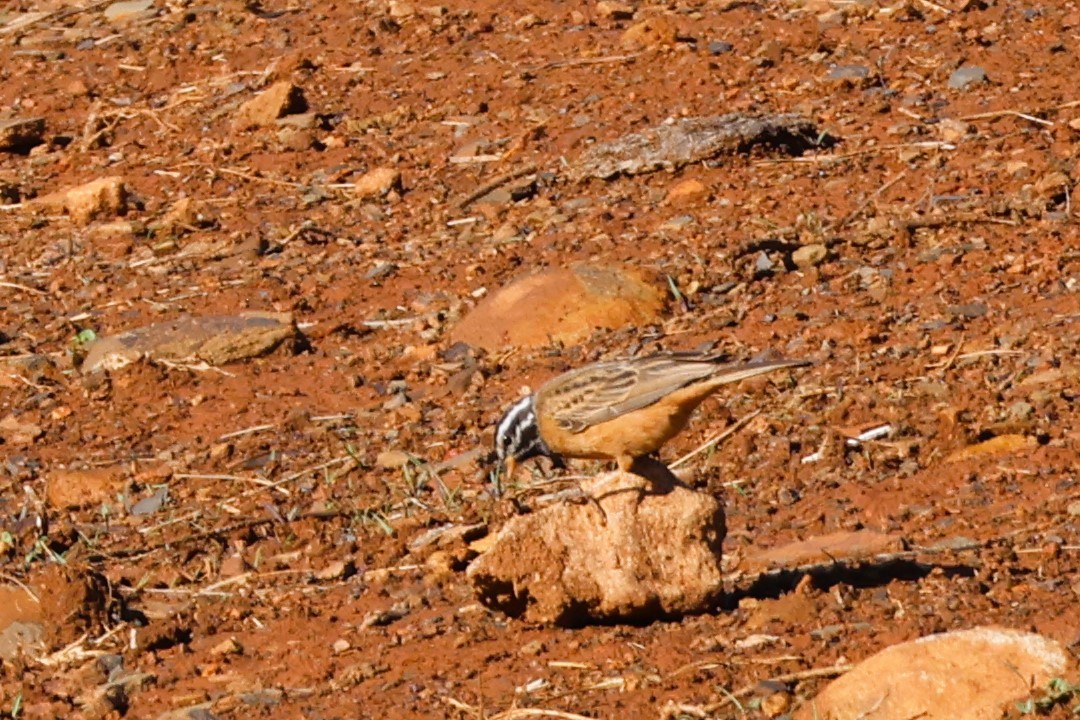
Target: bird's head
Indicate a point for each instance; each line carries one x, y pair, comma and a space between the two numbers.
517, 436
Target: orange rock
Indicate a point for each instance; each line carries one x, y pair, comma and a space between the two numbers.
653, 32
1000, 445
562, 305
686, 193
104, 197
280, 99
66, 489
971, 674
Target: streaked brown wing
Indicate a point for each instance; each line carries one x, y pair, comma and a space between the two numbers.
597, 393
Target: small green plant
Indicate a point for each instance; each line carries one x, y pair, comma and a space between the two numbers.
1057, 692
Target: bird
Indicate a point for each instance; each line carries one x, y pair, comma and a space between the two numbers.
622, 410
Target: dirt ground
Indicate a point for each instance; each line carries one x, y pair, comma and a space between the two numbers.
289, 570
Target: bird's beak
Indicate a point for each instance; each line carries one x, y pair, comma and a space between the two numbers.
509, 467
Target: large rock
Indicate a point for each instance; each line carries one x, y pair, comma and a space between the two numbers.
68, 489
214, 339
642, 550
102, 198
562, 305
963, 675
280, 99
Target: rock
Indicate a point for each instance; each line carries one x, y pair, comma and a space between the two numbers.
969, 311
19, 135
1073, 509
653, 32
378, 182
69, 489
232, 566
642, 550
280, 99
762, 264
392, 459
186, 214
809, 256
14, 431
719, 47
151, 503
609, 10
995, 446
215, 339
952, 130
340, 645
104, 197
832, 548
296, 140
854, 74
560, 305
686, 193
967, 77
229, 646
336, 570
971, 674
20, 622
1052, 182
671, 145
129, 10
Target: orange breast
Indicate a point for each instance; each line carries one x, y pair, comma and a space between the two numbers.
634, 434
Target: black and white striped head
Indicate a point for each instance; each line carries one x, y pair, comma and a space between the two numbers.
517, 437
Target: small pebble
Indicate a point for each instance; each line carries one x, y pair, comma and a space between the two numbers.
966, 77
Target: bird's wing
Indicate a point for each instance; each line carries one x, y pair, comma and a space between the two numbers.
597, 393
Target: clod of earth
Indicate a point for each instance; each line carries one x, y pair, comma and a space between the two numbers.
641, 551
216, 340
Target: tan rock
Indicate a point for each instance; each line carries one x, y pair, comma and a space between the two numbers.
129, 10
67, 489
228, 646
215, 339
614, 10
686, 193
378, 182
280, 99
392, 459
809, 256
562, 305
642, 550
970, 674
185, 214
952, 130
1056, 181
16, 431
653, 32
104, 197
